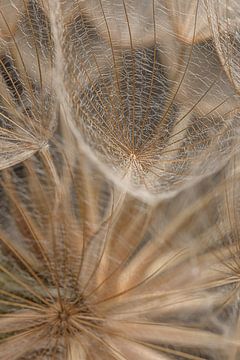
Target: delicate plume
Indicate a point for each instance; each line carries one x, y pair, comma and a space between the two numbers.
119, 181
28, 111
144, 89
225, 26
96, 274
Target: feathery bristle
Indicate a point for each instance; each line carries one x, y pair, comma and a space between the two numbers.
119, 181
157, 112
97, 272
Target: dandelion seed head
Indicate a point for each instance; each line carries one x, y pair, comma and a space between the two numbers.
80, 276
151, 84
119, 206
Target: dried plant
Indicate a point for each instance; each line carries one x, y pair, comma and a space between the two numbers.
98, 274
28, 110
148, 89
148, 99
119, 182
